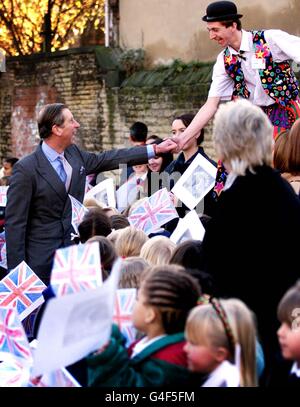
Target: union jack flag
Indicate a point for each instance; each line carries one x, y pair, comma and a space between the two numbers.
76, 268
153, 212
21, 289
13, 341
13, 374
78, 212
123, 308
58, 378
3, 261
3, 193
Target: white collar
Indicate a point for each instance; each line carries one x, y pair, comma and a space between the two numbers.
229, 180
246, 43
295, 369
143, 344
225, 375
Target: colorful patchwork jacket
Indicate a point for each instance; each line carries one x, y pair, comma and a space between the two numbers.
278, 79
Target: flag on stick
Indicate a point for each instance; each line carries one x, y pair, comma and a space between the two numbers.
123, 308
22, 290
76, 268
153, 212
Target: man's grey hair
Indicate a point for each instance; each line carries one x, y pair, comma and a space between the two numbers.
243, 136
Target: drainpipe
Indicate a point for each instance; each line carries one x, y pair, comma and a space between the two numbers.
106, 11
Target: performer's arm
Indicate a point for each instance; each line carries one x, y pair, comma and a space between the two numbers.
203, 116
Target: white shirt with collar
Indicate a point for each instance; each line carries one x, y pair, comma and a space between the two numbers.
282, 46
295, 369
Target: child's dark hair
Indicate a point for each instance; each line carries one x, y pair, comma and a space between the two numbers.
288, 304
188, 254
139, 131
187, 119
119, 222
95, 222
173, 292
108, 254
11, 160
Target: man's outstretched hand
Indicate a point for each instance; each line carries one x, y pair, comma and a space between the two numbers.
180, 142
166, 146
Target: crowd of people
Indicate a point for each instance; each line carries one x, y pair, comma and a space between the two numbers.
224, 311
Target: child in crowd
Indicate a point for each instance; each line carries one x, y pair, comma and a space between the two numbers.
92, 203
189, 254
165, 297
112, 237
213, 332
158, 250
130, 241
289, 333
94, 223
131, 272
135, 188
119, 222
108, 254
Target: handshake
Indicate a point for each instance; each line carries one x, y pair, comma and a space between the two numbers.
169, 145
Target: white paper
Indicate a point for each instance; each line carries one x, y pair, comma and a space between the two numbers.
190, 227
195, 182
75, 325
126, 194
104, 192
3, 195
14, 374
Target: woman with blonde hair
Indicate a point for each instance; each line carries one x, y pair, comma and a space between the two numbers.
158, 250
258, 213
213, 332
130, 241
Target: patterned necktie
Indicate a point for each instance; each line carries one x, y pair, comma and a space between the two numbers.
233, 68
61, 170
241, 55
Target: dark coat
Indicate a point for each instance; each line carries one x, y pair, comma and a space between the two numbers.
38, 211
163, 363
251, 246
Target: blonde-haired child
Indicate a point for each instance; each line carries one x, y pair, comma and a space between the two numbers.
289, 333
213, 332
131, 271
158, 250
130, 241
165, 297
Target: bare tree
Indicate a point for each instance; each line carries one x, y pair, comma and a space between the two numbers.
33, 26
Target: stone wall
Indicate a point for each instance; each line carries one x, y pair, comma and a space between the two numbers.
87, 80
71, 77
156, 107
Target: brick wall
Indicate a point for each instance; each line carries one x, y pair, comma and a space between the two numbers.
77, 78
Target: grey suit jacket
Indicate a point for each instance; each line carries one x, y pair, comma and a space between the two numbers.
38, 211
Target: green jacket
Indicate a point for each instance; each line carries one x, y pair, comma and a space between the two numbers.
160, 364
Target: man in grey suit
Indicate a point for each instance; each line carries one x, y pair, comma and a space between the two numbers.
38, 211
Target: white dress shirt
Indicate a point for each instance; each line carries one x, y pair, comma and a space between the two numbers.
295, 369
282, 45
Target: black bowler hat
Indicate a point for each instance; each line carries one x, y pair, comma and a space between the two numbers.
221, 11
